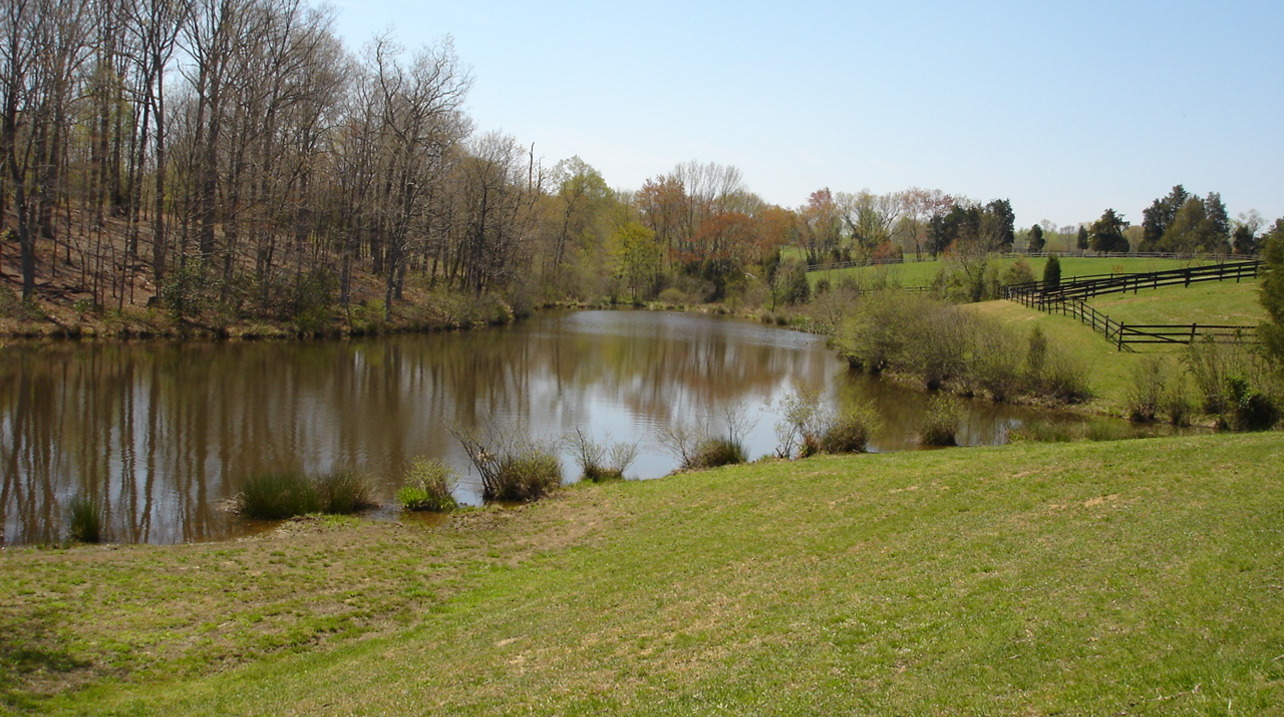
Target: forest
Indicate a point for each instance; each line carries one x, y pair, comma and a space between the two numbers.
225, 160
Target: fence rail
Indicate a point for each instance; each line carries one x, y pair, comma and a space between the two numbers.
1086, 287
908, 258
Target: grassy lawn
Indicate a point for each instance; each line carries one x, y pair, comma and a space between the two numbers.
921, 273
1214, 302
1139, 577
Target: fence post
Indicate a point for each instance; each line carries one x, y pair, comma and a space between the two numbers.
1193, 327
1120, 347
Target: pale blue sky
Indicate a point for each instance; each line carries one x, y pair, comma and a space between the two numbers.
1065, 108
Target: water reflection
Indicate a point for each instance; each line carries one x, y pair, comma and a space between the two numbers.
162, 434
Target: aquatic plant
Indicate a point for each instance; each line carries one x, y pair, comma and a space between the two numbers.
428, 486
84, 520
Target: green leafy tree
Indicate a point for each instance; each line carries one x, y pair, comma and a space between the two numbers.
1082, 240
638, 256
1199, 226
1107, 233
1272, 293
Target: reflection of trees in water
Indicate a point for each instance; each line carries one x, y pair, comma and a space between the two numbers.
159, 433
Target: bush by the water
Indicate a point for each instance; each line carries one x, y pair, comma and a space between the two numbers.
511, 469
428, 485
274, 496
944, 345
714, 452
940, 422
524, 475
849, 430
84, 520
599, 461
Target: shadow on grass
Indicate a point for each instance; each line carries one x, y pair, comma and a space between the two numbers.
34, 663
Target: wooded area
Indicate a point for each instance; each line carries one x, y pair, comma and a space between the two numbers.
233, 157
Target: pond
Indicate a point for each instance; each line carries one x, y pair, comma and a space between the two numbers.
162, 434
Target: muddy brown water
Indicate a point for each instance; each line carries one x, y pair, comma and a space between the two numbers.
162, 434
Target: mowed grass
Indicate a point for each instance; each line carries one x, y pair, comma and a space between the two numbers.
1225, 303
1141, 577
921, 273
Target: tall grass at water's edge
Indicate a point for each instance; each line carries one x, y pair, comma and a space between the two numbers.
275, 496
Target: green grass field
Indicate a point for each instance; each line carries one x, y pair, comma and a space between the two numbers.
921, 273
1140, 577
1214, 302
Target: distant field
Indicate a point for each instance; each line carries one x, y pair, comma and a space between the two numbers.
921, 273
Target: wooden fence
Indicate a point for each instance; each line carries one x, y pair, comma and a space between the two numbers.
909, 257
1085, 287
1068, 299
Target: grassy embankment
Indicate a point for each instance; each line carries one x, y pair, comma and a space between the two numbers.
1142, 577
1110, 370
921, 273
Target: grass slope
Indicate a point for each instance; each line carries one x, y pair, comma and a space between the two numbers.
1141, 577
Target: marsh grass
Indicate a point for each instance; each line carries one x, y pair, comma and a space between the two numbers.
84, 519
343, 492
276, 496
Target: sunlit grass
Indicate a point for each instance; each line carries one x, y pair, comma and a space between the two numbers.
1104, 578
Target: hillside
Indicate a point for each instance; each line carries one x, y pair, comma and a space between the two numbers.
1138, 577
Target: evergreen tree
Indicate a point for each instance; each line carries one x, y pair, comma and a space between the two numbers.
1107, 233
1052, 273
1036, 241
1082, 241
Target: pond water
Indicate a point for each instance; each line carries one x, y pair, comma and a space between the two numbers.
162, 434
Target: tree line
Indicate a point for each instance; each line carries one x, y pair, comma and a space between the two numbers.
234, 154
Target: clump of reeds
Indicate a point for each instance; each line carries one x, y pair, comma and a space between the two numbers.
428, 486
274, 496
85, 520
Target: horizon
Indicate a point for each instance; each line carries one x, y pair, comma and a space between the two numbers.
977, 102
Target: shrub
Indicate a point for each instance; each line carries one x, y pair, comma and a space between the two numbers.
940, 422
85, 520
850, 430
1146, 390
428, 486
714, 452
1251, 410
524, 475
514, 470
599, 463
